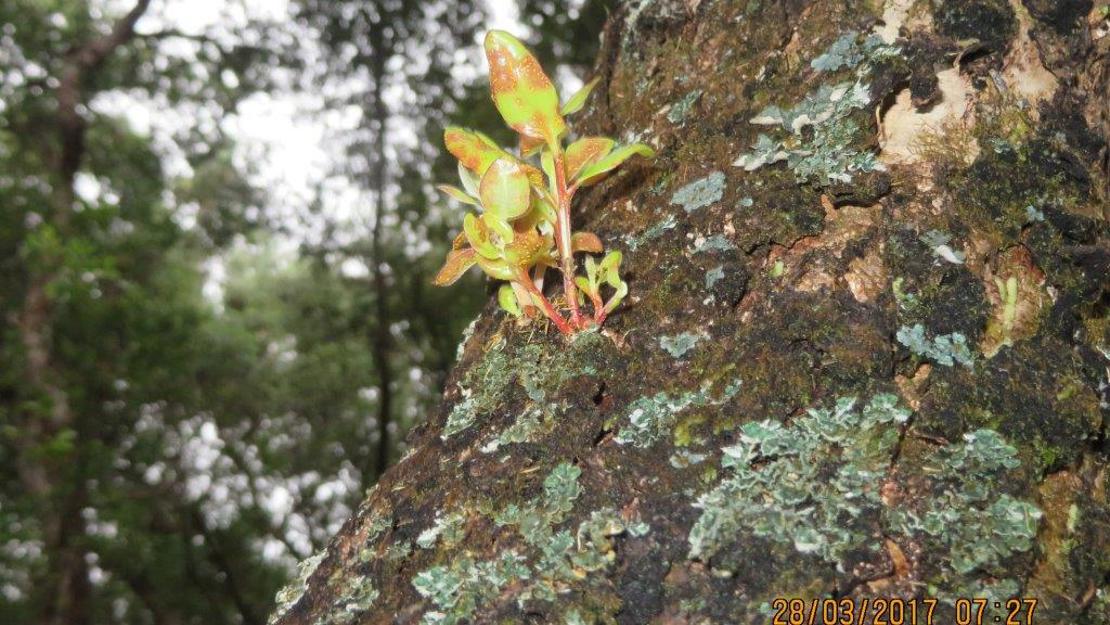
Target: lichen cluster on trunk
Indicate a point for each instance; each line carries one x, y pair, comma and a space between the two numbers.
865, 352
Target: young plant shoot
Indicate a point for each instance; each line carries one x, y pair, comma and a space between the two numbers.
521, 227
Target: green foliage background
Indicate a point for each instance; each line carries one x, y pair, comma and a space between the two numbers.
167, 455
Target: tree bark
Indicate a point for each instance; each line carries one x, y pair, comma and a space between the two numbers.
863, 362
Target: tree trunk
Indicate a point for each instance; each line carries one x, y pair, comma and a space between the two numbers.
864, 360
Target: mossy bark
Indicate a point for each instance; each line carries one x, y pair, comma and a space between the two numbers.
923, 230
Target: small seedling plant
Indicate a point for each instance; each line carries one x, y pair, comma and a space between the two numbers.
521, 226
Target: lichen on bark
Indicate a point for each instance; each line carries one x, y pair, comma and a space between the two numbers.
714, 409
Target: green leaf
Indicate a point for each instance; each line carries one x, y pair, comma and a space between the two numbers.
458, 261
611, 263
470, 180
456, 193
530, 145
597, 170
591, 269
522, 92
474, 150
477, 234
499, 226
527, 249
615, 301
578, 100
498, 269
547, 163
506, 299
585, 152
583, 284
505, 189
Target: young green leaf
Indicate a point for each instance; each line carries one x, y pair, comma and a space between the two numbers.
470, 181
456, 193
597, 170
522, 92
474, 151
611, 268
586, 151
498, 269
583, 284
506, 298
458, 261
615, 300
477, 234
499, 226
578, 100
505, 189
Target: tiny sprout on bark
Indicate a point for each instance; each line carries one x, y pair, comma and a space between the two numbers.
522, 224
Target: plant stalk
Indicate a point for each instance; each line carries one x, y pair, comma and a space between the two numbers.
563, 237
548, 309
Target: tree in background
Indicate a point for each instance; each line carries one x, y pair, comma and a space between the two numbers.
392, 63
101, 307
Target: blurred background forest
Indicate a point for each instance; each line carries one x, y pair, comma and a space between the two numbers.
217, 235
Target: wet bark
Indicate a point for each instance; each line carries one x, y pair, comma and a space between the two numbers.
864, 358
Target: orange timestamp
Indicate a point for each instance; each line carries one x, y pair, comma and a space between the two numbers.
880, 611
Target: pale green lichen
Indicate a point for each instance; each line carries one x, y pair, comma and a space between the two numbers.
713, 276
487, 385
978, 528
558, 557
524, 429
654, 232
288, 596
685, 458
848, 51
713, 243
681, 109
650, 418
678, 345
810, 485
700, 193
354, 596
446, 528
458, 589
461, 416
946, 349
939, 243
815, 485
823, 153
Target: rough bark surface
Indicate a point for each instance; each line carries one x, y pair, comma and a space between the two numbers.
869, 361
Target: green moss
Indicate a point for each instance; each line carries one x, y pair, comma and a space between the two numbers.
537, 370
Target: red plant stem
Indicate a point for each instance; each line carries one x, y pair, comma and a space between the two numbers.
563, 236
548, 309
